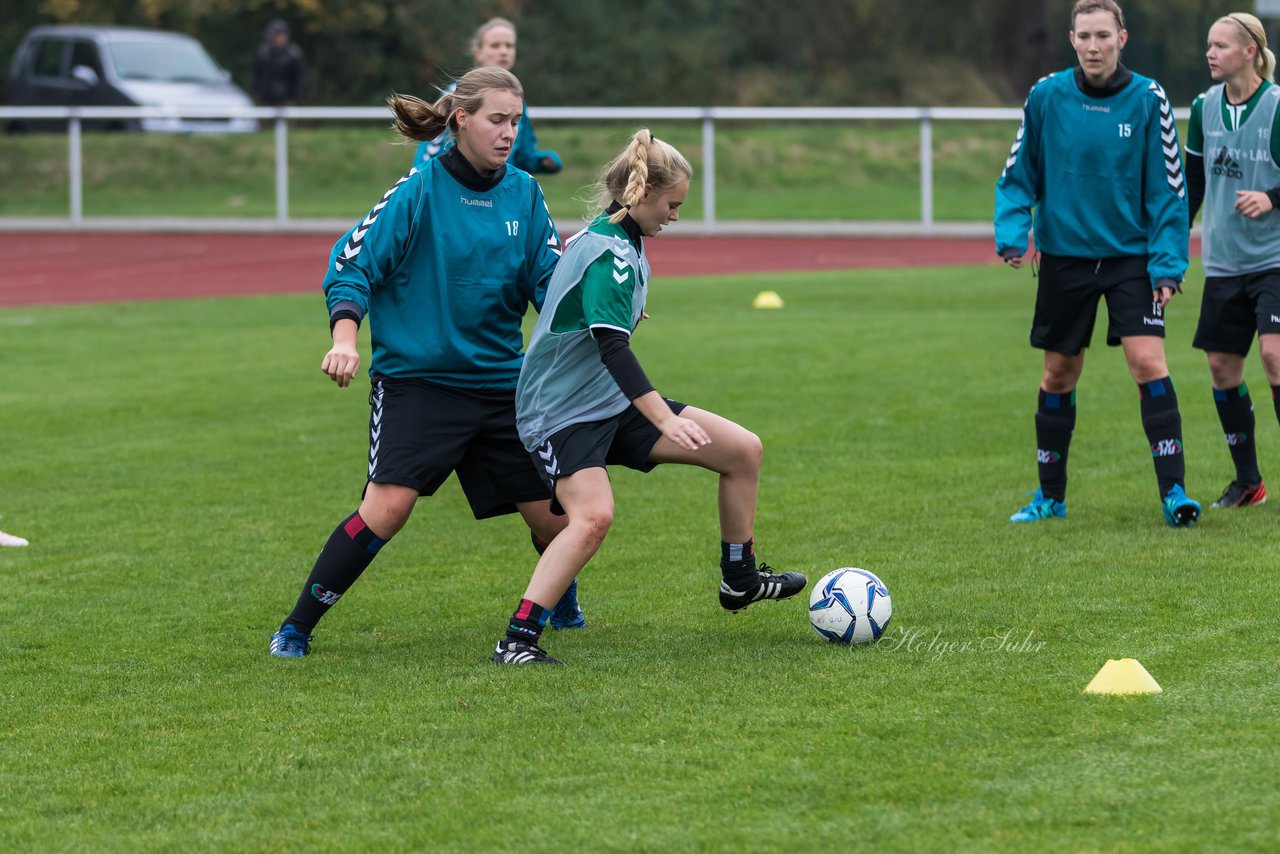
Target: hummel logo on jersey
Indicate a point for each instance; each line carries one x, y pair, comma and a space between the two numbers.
1166, 448
1225, 164
622, 272
356, 241
484, 203
1043, 456
1095, 109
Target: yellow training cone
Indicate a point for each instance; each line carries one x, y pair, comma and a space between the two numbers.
1123, 676
767, 299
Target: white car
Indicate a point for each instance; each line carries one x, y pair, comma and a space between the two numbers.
74, 66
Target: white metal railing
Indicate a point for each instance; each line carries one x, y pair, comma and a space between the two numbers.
707, 116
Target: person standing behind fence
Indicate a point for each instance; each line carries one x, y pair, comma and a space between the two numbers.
1233, 148
1097, 159
279, 68
494, 43
445, 266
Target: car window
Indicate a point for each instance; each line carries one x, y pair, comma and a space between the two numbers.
49, 58
86, 53
175, 60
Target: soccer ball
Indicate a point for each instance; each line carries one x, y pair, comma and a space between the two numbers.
850, 605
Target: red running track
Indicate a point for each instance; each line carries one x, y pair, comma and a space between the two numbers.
51, 268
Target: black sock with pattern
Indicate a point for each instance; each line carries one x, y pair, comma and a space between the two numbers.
738, 564
349, 551
1163, 425
1235, 411
527, 622
1055, 423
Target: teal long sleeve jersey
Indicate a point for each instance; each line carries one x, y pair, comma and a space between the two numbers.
1102, 171
445, 266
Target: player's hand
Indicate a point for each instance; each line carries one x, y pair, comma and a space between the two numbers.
341, 363
685, 433
1253, 203
644, 315
1012, 257
1161, 296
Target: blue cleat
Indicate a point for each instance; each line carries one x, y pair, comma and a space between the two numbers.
1041, 508
567, 614
1179, 510
290, 643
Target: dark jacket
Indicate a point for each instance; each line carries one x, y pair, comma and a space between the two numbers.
279, 74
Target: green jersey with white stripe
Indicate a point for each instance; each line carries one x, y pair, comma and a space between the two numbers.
600, 282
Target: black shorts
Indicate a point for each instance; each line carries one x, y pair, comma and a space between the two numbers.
1233, 308
1067, 301
420, 432
626, 439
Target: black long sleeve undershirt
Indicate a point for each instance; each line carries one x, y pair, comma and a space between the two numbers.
1195, 185
621, 362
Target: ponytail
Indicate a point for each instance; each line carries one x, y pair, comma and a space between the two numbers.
646, 163
415, 119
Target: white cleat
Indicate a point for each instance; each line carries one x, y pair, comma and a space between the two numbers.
11, 540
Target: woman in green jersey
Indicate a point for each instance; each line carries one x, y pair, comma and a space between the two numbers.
1233, 148
583, 401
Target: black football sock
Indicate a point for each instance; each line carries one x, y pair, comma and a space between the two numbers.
350, 549
1275, 400
1163, 425
738, 564
1055, 422
527, 622
1235, 411
538, 545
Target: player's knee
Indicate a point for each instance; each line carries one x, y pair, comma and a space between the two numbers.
594, 524
1060, 377
386, 510
751, 451
1271, 363
1225, 374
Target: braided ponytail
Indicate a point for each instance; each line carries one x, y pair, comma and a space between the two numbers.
646, 164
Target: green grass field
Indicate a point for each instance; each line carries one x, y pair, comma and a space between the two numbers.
805, 171
177, 465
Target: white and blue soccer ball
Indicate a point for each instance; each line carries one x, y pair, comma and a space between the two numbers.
850, 605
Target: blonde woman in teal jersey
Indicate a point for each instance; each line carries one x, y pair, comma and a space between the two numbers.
584, 403
1233, 166
494, 43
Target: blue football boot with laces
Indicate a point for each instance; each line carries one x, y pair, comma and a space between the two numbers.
290, 643
567, 613
1040, 508
1179, 510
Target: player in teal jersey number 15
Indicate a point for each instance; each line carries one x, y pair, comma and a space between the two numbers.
1097, 161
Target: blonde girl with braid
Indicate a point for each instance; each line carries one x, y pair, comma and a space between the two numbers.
583, 402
